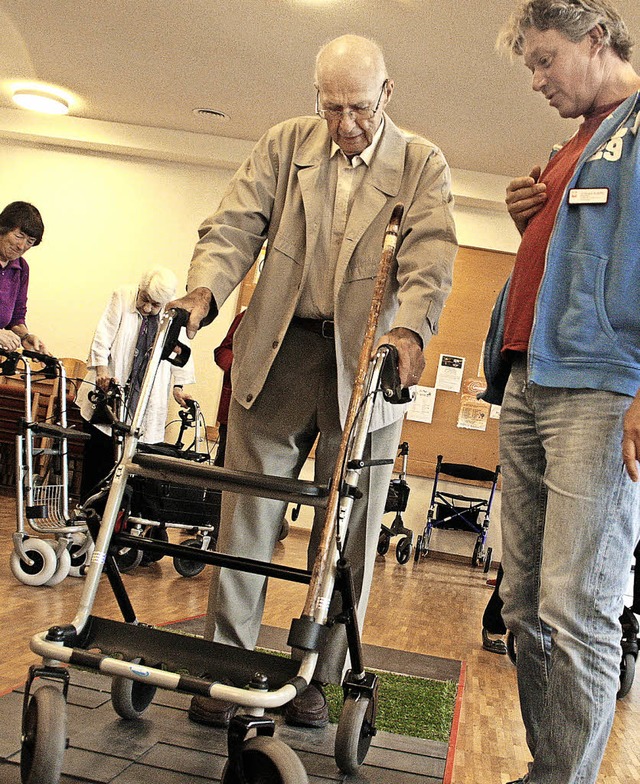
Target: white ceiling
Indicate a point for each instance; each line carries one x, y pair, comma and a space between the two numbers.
151, 62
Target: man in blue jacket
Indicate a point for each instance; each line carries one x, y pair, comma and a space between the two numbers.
570, 423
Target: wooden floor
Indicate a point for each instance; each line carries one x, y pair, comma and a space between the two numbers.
434, 607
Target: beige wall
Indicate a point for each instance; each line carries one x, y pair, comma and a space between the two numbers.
109, 216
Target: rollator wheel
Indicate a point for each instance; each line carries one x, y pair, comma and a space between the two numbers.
477, 552
512, 652
44, 737
353, 736
383, 543
185, 566
266, 760
284, 530
403, 550
80, 560
627, 673
129, 698
62, 569
160, 535
487, 560
418, 550
128, 558
44, 564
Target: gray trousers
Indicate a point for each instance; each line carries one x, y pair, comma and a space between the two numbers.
275, 436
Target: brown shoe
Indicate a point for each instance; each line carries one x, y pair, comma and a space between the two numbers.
308, 709
213, 713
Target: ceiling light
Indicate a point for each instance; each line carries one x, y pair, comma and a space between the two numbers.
214, 114
41, 101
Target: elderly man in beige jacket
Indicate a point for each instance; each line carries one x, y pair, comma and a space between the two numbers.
321, 191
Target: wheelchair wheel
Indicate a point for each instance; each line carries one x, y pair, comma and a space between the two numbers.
418, 551
353, 736
403, 550
185, 566
160, 535
44, 563
266, 760
627, 673
62, 568
129, 698
44, 737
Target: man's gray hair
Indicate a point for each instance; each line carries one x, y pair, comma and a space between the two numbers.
573, 18
159, 283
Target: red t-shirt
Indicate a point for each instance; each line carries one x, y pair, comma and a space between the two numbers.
530, 259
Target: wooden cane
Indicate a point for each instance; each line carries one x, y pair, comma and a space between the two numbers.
328, 532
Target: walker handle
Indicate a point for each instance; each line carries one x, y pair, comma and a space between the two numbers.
179, 320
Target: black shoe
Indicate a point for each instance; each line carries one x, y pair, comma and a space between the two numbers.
210, 711
309, 709
495, 645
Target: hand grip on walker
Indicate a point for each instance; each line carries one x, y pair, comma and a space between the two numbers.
180, 359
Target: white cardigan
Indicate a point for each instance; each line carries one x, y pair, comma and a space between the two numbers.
113, 345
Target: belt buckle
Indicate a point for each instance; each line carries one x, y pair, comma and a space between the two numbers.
326, 329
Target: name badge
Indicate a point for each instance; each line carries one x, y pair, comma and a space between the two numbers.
588, 195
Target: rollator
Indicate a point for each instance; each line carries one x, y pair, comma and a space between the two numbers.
62, 545
140, 658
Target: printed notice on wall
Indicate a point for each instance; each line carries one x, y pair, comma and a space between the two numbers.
449, 375
474, 413
421, 407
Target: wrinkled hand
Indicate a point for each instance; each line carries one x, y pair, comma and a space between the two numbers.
33, 343
197, 303
631, 439
181, 397
525, 197
410, 355
103, 378
9, 340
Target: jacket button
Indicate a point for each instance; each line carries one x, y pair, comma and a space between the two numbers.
275, 344
249, 398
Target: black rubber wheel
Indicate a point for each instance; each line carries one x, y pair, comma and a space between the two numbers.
353, 735
185, 566
512, 652
44, 737
418, 550
160, 535
403, 550
128, 558
477, 551
487, 560
266, 760
383, 543
627, 673
284, 530
130, 698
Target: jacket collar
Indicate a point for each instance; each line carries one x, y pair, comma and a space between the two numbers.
387, 166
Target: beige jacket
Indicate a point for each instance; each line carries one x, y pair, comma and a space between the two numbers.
274, 196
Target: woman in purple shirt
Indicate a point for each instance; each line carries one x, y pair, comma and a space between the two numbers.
21, 228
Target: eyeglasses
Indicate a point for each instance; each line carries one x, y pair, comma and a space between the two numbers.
353, 112
24, 238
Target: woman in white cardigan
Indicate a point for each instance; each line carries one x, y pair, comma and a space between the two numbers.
119, 351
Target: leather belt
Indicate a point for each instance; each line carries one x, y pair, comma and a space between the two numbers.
322, 327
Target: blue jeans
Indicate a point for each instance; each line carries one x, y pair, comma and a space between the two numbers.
569, 527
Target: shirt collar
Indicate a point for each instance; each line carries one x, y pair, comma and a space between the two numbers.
367, 154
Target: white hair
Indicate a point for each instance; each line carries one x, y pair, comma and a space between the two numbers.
160, 284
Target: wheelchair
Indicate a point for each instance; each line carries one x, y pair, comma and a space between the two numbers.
453, 512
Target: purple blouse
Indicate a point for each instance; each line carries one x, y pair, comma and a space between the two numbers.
14, 282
